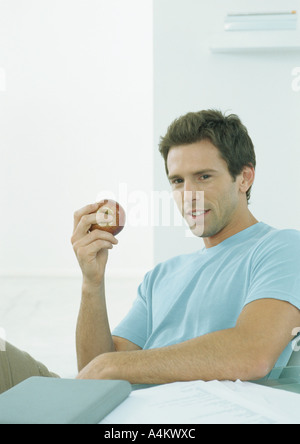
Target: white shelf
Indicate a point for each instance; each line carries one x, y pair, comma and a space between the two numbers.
255, 41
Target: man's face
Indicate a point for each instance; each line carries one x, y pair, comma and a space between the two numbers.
199, 168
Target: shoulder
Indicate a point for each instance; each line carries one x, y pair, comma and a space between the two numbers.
275, 267
287, 238
278, 245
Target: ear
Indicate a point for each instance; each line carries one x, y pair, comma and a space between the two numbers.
247, 177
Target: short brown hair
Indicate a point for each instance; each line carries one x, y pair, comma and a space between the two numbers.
227, 133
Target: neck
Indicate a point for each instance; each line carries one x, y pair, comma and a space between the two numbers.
233, 227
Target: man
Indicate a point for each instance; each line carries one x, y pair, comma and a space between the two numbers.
226, 312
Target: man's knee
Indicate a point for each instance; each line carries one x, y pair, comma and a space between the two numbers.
16, 366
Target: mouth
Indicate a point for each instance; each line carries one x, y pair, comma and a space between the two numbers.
195, 214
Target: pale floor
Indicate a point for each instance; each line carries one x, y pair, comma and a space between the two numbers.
39, 315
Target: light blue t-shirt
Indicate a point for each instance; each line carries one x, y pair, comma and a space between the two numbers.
199, 293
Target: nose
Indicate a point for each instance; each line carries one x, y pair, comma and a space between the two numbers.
187, 186
192, 192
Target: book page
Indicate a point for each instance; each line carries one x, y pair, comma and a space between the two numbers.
193, 403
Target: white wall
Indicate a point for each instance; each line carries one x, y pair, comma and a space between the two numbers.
257, 87
75, 119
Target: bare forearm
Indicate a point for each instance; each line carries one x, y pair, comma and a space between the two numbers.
248, 351
220, 355
93, 335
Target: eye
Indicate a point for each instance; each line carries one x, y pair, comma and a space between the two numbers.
205, 176
176, 181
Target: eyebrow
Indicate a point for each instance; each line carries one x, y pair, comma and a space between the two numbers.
197, 173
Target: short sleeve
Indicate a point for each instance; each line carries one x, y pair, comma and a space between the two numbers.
275, 269
134, 326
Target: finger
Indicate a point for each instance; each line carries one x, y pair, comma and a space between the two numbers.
93, 236
104, 235
88, 209
83, 226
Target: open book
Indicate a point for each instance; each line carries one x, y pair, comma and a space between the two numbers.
213, 402
61, 401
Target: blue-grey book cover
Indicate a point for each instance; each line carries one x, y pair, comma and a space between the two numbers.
61, 401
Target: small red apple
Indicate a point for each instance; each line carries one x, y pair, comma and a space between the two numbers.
112, 208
